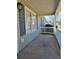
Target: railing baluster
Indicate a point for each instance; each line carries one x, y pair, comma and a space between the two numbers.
46, 29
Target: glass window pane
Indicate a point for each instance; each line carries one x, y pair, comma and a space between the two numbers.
34, 21
28, 21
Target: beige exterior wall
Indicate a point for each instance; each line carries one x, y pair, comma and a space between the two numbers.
57, 31
58, 8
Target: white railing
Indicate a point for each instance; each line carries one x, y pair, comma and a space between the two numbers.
46, 29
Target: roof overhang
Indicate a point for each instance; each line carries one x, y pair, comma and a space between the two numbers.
42, 7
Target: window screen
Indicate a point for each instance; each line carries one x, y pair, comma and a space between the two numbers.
21, 19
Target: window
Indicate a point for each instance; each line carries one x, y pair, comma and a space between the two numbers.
39, 22
34, 21
28, 20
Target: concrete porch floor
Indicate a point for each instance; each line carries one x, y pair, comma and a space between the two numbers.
43, 47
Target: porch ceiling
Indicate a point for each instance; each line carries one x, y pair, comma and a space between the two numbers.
44, 7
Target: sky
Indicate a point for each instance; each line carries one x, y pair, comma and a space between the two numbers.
49, 18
